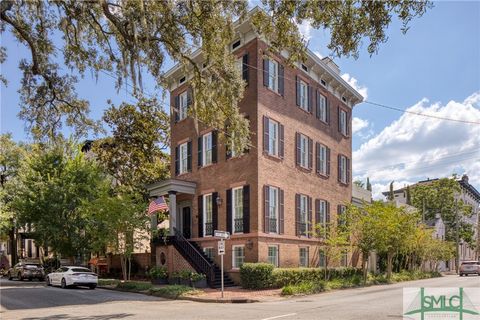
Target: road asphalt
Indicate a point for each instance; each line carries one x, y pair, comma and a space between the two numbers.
34, 301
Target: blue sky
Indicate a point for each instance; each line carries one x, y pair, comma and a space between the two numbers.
433, 69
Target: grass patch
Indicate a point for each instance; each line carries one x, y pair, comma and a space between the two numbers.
134, 286
173, 291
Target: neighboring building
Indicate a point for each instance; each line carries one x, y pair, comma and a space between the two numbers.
360, 195
297, 172
470, 196
438, 233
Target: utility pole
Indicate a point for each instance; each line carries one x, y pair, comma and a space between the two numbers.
457, 238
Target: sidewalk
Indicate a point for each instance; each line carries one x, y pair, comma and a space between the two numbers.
235, 295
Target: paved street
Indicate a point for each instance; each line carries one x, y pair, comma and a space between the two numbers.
32, 300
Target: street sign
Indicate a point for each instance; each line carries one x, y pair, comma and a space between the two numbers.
221, 247
221, 234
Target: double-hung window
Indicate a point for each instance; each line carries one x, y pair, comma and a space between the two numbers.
237, 209
343, 169
322, 108
207, 149
238, 256
303, 95
344, 258
304, 152
322, 153
183, 158
322, 213
321, 258
273, 209
273, 75
209, 252
303, 259
273, 139
207, 215
183, 105
303, 218
343, 122
273, 255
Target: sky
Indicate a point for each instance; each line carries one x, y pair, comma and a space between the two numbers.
432, 69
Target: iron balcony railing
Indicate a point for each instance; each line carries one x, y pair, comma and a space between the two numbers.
209, 229
238, 223
273, 225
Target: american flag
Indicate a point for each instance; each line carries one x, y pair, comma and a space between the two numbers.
158, 204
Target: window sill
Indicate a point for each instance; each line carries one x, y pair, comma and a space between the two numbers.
323, 175
183, 173
271, 90
305, 110
272, 157
207, 165
301, 168
345, 184
323, 122
180, 120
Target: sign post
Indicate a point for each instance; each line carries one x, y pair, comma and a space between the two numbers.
221, 249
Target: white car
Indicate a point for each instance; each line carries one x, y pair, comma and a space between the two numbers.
72, 276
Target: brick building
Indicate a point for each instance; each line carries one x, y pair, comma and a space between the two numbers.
296, 174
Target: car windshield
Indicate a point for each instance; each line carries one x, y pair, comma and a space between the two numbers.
32, 266
469, 263
80, 270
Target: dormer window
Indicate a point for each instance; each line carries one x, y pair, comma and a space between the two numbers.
182, 80
344, 99
323, 83
304, 67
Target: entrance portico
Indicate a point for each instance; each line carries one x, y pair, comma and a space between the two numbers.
179, 213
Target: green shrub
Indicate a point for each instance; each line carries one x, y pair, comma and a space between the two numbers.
134, 286
256, 275
194, 277
171, 292
158, 273
291, 276
108, 282
307, 287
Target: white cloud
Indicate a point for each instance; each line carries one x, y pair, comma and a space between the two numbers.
359, 124
305, 29
318, 54
355, 85
414, 147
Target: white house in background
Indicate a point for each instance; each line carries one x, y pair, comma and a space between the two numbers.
438, 233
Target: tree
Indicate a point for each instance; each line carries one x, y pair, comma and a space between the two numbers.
391, 195
52, 183
134, 153
409, 196
439, 196
117, 223
359, 183
369, 185
132, 37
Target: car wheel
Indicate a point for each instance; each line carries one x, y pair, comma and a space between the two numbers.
92, 286
19, 277
461, 275
10, 276
64, 283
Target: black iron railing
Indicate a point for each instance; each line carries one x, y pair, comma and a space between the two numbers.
273, 225
302, 228
195, 257
208, 228
238, 225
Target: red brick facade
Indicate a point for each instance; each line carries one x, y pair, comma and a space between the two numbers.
256, 169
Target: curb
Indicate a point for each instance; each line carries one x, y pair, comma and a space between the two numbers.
188, 298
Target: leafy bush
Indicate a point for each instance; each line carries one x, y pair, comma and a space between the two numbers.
158, 273
172, 292
256, 275
108, 282
307, 287
288, 276
194, 277
134, 286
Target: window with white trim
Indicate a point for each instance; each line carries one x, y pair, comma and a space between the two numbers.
303, 259
237, 209
304, 152
322, 112
343, 122
207, 149
183, 158
323, 159
344, 258
303, 95
273, 75
273, 139
207, 215
273, 209
322, 213
303, 219
183, 106
273, 255
238, 256
343, 169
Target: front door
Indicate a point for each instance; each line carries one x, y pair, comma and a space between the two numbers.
186, 222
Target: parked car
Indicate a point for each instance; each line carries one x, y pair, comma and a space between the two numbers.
469, 267
72, 276
26, 270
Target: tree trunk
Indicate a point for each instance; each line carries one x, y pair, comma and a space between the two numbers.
123, 262
390, 256
365, 266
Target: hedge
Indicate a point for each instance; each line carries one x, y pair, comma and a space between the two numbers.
256, 275
309, 287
